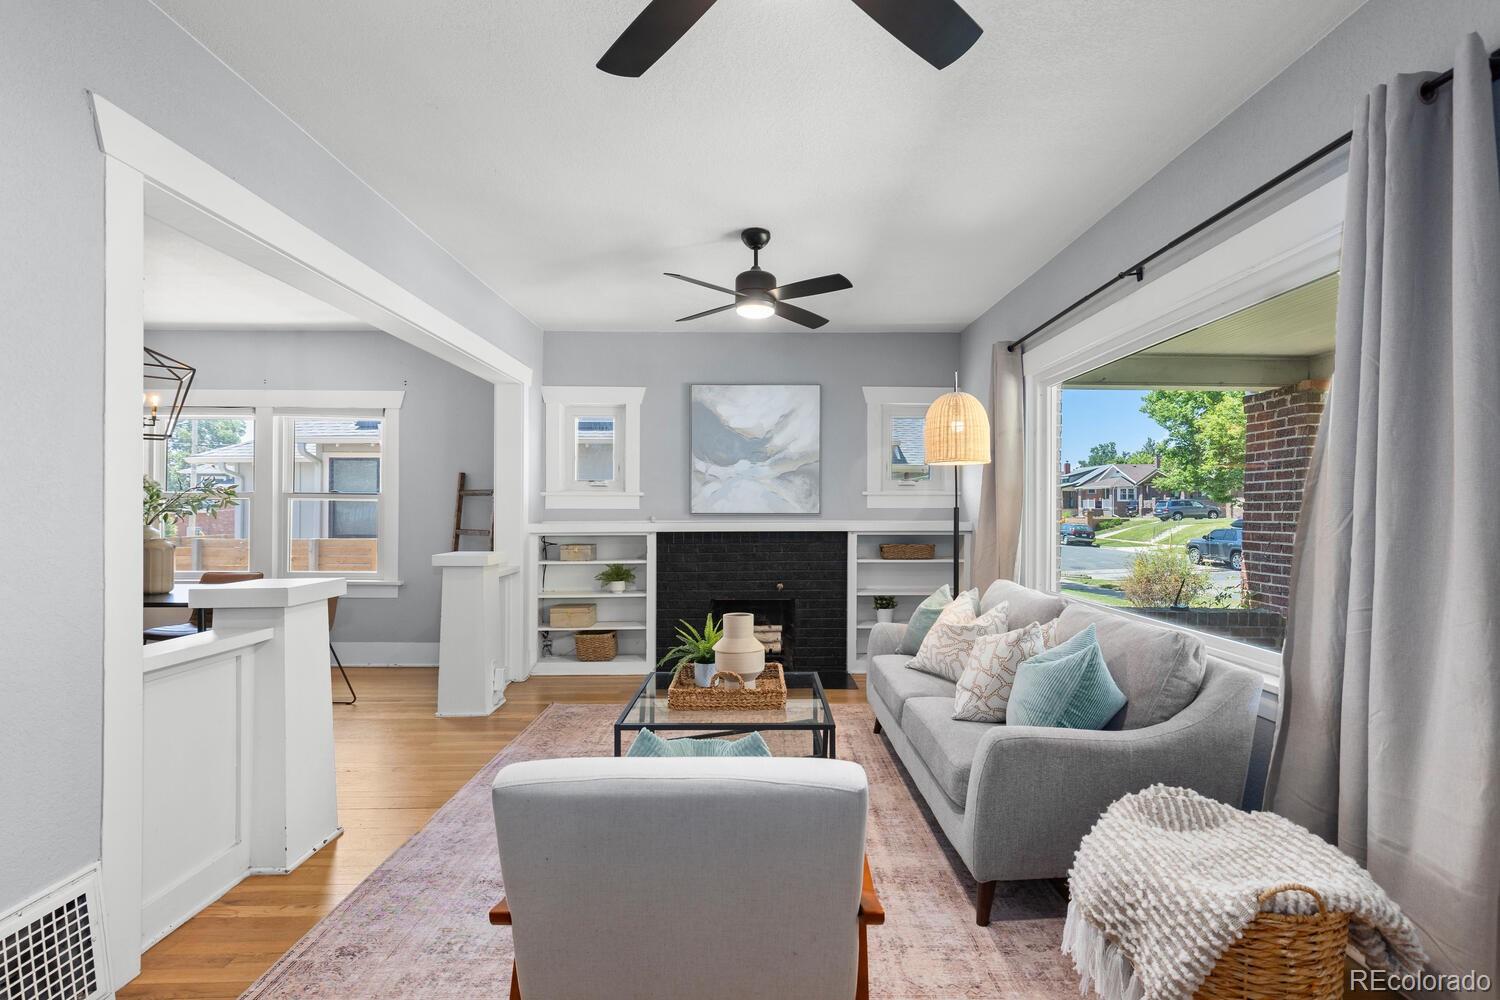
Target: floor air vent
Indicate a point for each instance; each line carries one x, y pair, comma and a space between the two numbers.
49, 951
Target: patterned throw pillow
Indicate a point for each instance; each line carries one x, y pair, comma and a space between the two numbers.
1068, 686
947, 645
648, 744
927, 613
984, 687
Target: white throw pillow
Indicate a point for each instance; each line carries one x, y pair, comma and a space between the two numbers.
946, 647
990, 670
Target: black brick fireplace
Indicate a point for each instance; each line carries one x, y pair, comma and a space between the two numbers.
796, 579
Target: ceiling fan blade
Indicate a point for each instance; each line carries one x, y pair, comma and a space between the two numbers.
813, 286
654, 30
937, 30
706, 312
797, 314
695, 281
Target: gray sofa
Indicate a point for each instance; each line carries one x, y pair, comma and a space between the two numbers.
1016, 800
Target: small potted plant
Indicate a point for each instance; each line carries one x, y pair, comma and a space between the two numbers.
159, 507
885, 608
615, 577
697, 648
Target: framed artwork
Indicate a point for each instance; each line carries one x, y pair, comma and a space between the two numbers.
756, 449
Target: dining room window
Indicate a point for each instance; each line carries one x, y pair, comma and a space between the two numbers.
332, 472
210, 449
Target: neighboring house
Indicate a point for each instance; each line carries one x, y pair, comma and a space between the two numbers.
1116, 489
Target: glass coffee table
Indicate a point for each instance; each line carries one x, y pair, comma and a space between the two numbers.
806, 710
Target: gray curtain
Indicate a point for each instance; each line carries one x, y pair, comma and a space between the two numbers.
1390, 704
997, 532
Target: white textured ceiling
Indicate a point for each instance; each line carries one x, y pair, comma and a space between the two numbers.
569, 191
191, 286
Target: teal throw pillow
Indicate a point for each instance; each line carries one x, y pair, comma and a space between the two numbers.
1067, 686
926, 616
648, 744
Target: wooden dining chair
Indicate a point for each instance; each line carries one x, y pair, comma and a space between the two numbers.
202, 618
333, 610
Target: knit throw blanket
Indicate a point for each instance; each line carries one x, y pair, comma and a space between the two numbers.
1167, 880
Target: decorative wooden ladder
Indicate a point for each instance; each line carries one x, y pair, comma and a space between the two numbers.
458, 513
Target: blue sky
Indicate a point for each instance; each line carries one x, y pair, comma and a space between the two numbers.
1093, 416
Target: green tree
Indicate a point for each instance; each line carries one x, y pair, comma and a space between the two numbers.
1103, 454
1145, 454
1204, 452
195, 435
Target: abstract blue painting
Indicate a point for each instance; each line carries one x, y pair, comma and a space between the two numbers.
756, 449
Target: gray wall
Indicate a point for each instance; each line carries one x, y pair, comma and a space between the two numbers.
1312, 102
668, 363
52, 286
447, 427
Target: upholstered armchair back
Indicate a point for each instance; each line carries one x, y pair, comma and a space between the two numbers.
682, 878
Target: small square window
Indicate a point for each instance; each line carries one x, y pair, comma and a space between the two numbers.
594, 449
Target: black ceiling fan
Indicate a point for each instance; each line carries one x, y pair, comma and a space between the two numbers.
756, 294
937, 30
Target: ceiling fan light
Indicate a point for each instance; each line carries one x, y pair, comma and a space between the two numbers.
756, 307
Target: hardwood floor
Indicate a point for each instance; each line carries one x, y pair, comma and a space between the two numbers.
397, 763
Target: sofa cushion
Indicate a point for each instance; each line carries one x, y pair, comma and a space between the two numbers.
990, 671
1067, 686
648, 744
895, 685
946, 745
1026, 605
1159, 670
948, 642
927, 614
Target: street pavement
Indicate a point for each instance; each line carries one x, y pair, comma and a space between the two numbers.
1114, 564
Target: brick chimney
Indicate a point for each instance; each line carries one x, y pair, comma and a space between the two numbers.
1067, 467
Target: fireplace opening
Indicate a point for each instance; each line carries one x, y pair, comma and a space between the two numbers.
775, 624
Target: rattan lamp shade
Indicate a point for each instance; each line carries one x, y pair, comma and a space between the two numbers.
957, 431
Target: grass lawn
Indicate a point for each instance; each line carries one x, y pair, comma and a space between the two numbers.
1150, 531
1092, 595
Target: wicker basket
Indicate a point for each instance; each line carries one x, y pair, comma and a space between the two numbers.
907, 550
727, 691
1283, 955
595, 647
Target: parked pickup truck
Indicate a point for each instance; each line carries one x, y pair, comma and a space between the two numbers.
1222, 545
1176, 510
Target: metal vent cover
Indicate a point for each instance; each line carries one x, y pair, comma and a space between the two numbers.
47, 952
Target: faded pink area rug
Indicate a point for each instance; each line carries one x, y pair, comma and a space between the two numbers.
417, 927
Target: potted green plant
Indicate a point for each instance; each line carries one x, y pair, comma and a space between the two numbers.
159, 507
697, 648
885, 608
615, 577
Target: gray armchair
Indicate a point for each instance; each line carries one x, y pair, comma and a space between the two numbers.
1016, 800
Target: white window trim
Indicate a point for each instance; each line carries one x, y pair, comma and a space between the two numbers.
561, 492
267, 517
1292, 246
879, 493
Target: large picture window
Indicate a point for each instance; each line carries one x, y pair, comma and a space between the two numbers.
1181, 467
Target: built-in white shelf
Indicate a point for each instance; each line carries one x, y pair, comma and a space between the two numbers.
589, 595
897, 591
871, 576
591, 562
596, 627
908, 562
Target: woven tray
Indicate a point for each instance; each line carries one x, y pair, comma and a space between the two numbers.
907, 550
727, 691
1283, 955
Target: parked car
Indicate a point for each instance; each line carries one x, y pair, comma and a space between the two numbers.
1176, 510
1222, 545
1075, 534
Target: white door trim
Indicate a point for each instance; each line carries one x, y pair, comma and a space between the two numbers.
142, 166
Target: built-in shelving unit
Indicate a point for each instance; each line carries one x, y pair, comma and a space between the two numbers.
565, 581
907, 580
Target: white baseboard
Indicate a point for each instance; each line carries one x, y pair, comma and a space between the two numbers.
387, 654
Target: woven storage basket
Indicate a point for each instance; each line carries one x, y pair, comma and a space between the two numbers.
595, 647
907, 550
769, 692
1283, 955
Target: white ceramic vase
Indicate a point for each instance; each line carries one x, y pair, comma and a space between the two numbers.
885, 614
739, 650
615, 587
703, 673
158, 563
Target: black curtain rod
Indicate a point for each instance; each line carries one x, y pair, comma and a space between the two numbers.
1428, 93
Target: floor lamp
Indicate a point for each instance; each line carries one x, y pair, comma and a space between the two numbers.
957, 432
